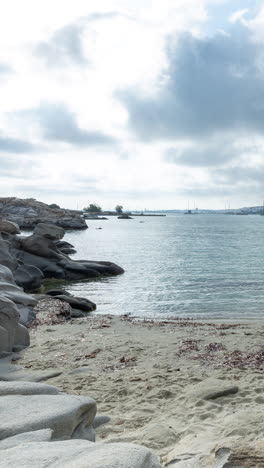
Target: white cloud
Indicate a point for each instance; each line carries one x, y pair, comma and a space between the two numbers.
238, 16
87, 51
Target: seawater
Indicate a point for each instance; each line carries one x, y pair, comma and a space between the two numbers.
195, 266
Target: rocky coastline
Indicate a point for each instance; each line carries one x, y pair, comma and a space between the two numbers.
28, 213
34, 414
190, 392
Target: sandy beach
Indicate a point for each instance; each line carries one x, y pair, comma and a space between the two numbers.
160, 382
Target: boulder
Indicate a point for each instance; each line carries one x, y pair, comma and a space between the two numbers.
41, 246
80, 303
69, 416
27, 388
77, 454
57, 292
28, 277
9, 322
4, 340
8, 226
21, 339
50, 231
43, 435
5, 256
10, 290
211, 389
26, 314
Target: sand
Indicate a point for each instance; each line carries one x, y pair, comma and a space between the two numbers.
177, 386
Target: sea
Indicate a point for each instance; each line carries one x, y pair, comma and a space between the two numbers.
201, 266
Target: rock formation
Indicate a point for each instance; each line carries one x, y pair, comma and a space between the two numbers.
42, 427
42, 254
39, 425
27, 213
24, 262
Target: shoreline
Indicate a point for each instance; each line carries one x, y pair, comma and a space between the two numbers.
154, 379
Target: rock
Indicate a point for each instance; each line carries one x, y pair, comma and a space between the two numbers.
10, 373
65, 247
77, 454
6, 258
44, 254
24, 302
211, 389
4, 340
26, 388
40, 246
8, 321
27, 213
95, 218
26, 313
57, 292
28, 277
63, 244
69, 416
125, 216
8, 226
43, 435
21, 339
12, 334
240, 454
80, 303
72, 223
49, 231
10, 290
227, 453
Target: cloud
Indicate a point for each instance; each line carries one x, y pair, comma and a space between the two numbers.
238, 15
13, 145
238, 175
215, 152
64, 47
54, 189
14, 168
212, 84
5, 69
58, 123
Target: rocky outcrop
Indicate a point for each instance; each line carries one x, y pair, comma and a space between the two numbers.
42, 255
39, 425
42, 427
13, 335
9, 227
27, 213
25, 261
77, 454
43, 250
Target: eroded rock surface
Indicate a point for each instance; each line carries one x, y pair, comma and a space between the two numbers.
41, 427
13, 335
43, 252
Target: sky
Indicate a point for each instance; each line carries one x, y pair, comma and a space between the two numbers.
151, 104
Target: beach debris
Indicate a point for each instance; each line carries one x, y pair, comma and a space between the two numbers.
50, 311
187, 346
91, 355
213, 347
126, 360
